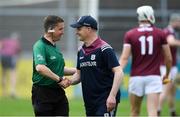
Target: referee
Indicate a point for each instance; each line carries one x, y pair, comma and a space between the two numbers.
48, 95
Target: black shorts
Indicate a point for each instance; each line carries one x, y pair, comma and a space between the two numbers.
100, 110
48, 101
8, 62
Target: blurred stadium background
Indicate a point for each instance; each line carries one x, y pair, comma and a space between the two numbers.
115, 16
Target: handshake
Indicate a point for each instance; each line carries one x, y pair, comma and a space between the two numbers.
65, 83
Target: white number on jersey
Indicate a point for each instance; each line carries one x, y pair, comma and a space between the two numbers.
143, 40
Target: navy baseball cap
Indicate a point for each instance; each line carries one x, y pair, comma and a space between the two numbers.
85, 21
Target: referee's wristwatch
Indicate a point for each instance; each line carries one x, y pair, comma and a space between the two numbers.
60, 79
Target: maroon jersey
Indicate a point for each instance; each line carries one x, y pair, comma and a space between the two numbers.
146, 46
170, 31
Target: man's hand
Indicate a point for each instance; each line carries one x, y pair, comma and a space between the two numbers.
65, 83
110, 103
166, 80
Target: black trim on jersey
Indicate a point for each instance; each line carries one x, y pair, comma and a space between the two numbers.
47, 42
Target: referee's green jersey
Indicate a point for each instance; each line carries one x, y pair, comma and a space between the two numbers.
47, 54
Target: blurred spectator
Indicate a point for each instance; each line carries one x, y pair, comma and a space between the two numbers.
9, 51
169, 90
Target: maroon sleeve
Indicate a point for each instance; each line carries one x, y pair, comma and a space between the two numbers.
126, 38
164, 40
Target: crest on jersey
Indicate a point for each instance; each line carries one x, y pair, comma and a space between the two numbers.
93, 56
40, 57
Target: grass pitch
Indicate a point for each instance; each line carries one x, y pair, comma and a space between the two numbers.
23, 107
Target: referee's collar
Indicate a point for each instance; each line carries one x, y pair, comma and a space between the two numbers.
47, 42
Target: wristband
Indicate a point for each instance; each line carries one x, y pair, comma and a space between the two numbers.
60, 79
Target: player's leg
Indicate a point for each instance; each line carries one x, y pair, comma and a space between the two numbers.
13, 76
153, 88
164, 93
135, 104
162, 98
152, 104
136, 91
4, 82
171, 98
13, 82
172, 90
4, 63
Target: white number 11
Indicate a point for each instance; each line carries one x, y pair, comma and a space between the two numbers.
149, 39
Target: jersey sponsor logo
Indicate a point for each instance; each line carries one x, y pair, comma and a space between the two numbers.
40, 57
93, 57
53, 57
88, 64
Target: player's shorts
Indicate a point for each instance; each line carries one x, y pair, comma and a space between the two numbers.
8, 62
143, 85
173, 72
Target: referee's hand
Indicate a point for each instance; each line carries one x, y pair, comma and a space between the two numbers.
110, 103
65, 83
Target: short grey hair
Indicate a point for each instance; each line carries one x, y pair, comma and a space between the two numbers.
175, 17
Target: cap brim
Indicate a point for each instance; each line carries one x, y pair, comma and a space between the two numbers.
76, 25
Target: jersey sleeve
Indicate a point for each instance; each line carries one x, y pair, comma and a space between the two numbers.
168, 32
39, 55
126, 38
109, 56
163, 40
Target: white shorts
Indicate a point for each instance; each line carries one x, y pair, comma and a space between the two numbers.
141, 85
173, 72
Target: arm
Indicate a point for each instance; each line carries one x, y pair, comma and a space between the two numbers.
69, 71
118, 76
172, 41
42, 69
167, 58
76, 78
123, 59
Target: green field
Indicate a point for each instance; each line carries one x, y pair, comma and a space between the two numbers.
23, 107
